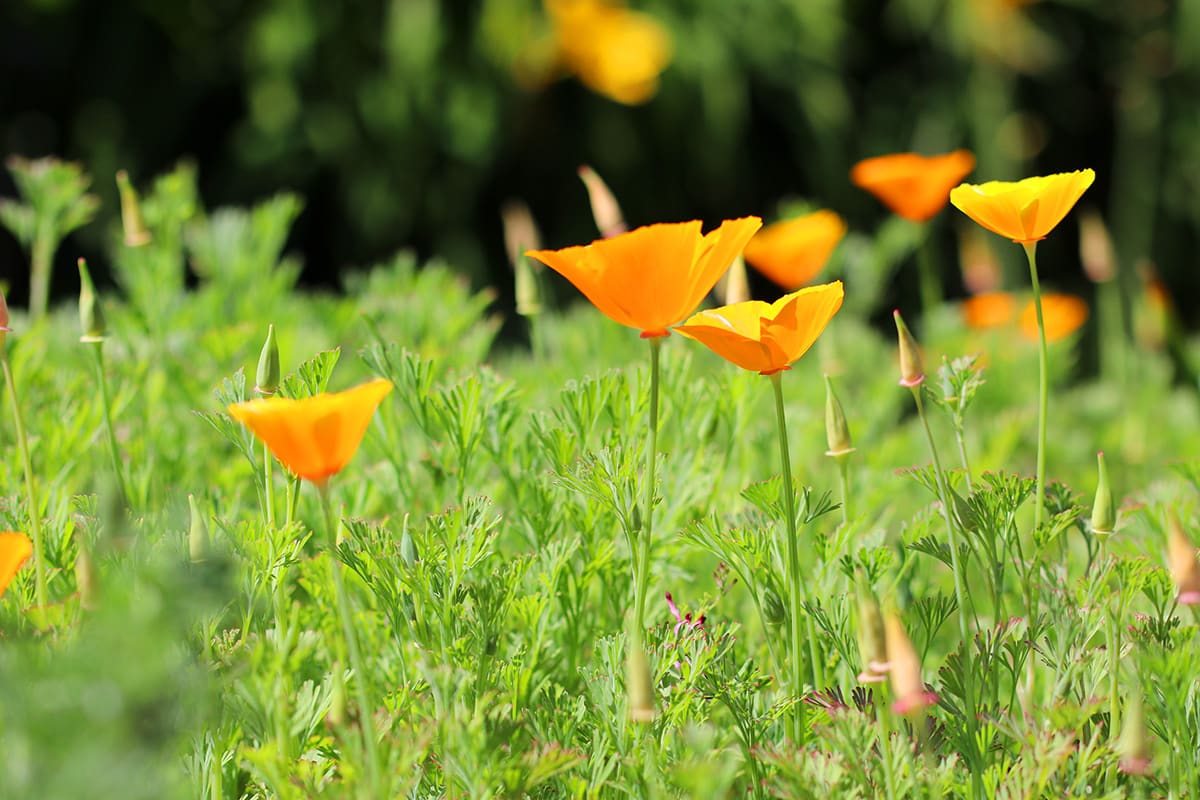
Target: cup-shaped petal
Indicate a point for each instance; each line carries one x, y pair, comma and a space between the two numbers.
654, 276
913, 186
767, 337
1026, 210
792, 252
15, 549
1063, 314
314, 437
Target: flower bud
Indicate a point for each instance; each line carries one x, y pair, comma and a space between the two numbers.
337, 696
912, 371
911, 695
1182, 556
198, 533
266, 380
734, 286
639, 684
1096, 251
1104, 515
85, 579
408, 548
136, 233
837, 432
1134, 745
520, 235
773, 608
3, 316
91, 315
872, 636
607, 213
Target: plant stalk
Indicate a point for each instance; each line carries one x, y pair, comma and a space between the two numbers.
1043, 386
97, 348
35, 513
268, 489
641, 562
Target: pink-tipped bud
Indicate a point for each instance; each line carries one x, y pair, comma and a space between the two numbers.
912, 369
1134, 745
1185, 570
872, 635
912, 698
605, 210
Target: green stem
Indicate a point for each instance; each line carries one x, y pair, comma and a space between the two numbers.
795, 577
931, 285
1043, 385
102, 378
35, 511
268, 492
641, 562
884, 715
365, 709
962, 451
41, 258
844, 470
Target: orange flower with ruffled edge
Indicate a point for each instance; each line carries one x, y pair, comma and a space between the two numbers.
1026, 210
766, 337
792, 252
15, 550
613, 51
989, 310
314, 437
913, 186
1063, 314
651, 277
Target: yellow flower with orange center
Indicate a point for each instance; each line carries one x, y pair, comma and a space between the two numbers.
1063, 314
652, 277
614, 51
1026, 210
15, 549
913, 186
794, 251
314, 437
766, 337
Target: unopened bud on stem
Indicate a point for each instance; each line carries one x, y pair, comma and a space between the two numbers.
837, 431
266, 379
607, 213
136, 233
91, 315
912, 370
1104, 515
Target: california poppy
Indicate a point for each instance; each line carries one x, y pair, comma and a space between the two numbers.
989, 310
792, 252
15, 549
767, 337
1063, 314
654, 276
314, 437
1026, 210
613, 51
913, 186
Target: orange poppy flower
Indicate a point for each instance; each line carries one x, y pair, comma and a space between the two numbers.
766, 337
15, 549
614, 51
314, 437
1026, 210
990, 310
1063, 314
792, 252
913, 186
654, 276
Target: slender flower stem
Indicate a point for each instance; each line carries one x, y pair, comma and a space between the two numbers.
931, 286
35, 512
1043, 385
365, 709
641, 562
268, 489
41, 258
844, 470
884, 714
795, 577
97, 348
962, 452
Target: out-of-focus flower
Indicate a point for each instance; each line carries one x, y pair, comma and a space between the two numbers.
314, 437
1063, 314
981, 269
1096, 251
605, 208
1185, 570
613, 51
767, 337
1134, 744
15, 549
1026, 210
905, 671
913, 186
1154, 310
989, 310
654, 276
792, 252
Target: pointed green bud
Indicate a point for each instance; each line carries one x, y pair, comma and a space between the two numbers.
773, 608
85, 579
198, 533
136, 233
1134, 745
639, 685
837, 432
408, 549
1104, 514
607, 213
91, 315
266, 380
520, 235
912, 370
337, 696
872, 635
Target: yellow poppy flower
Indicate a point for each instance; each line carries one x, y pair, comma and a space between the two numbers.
15, 549
989, 310
314, 437
913, 186
654, 276
1026, 210
792, 252
1063, 314
614, 51
766, 337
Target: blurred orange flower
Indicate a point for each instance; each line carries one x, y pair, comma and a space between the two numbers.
1063, 313
314, 437
1026, 210
15, 549
614, 51
913, 186
766, 337
989, 310
792, 252
654, 276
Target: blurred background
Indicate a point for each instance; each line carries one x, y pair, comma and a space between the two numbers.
409, 123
